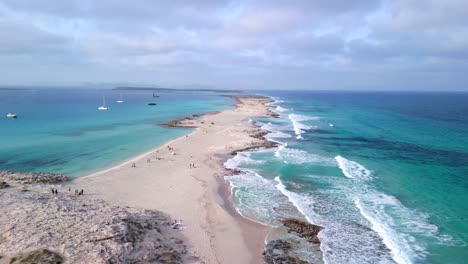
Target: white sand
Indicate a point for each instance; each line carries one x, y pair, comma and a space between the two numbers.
215, 235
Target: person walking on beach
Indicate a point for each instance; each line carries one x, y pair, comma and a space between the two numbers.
133, 165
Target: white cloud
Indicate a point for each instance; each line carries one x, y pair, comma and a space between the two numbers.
250, 43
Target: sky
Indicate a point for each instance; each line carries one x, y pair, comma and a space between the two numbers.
256, 44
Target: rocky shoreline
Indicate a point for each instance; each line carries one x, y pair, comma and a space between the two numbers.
37, 226
8, 178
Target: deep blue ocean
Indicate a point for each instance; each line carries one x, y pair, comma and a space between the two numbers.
61, 130
385, 174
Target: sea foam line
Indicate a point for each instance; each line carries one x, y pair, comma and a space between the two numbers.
390, 239
299, 127
352, 169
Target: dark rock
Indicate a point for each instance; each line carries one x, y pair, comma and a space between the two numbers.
32, 177
3, 185
42, 256
277, 252
303, 229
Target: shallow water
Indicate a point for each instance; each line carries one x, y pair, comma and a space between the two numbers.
61, 130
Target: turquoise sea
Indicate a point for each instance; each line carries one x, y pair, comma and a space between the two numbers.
385, 174
61, 130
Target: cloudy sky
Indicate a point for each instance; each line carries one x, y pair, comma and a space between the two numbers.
256, 44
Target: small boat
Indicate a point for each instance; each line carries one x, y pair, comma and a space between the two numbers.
11, 115
151, 103
120, 100
103, 107
155, 95
331, 125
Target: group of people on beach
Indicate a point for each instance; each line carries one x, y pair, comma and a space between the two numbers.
77, 192
192, 165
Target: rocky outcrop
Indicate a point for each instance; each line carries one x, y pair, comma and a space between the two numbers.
303, 229
278, 252
31, 177
180, 123
3, 185
42, 256
78, 229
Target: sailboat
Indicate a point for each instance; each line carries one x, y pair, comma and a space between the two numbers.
103, 107
120, 100
155, 95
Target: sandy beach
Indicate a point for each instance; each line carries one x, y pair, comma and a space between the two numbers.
165, 180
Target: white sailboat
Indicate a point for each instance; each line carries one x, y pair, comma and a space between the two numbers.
11, 115
103, 107
120, 100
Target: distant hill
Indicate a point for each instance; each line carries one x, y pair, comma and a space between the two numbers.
174, 90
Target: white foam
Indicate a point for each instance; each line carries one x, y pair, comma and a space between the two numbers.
399, 247
258, 198
298, 126
274, 132
352, 169
281, 109
278, 150
241, 158
295, 199
297, 156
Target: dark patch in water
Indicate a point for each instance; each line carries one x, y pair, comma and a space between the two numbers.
348, 139
399, 150
84, 154
32, 163
320, 131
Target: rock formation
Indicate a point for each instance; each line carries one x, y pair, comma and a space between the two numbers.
37, 225
31, 177
303, 229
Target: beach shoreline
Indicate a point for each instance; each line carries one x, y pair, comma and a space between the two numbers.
216, 232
